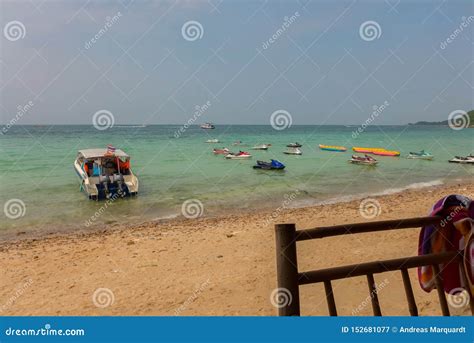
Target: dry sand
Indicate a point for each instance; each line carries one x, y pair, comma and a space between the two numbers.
210, 266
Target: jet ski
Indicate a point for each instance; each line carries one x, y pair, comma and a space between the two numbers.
294, 145
422, 155
463, 160
272, 165
223, 151
239, 156
293, 151
363, 160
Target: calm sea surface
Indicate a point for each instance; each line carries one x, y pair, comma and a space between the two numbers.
36, 166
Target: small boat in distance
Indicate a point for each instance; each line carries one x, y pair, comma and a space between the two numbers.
272, 165
363, 160
294, 145
293, 151
215, 140
422, 155
223, 151
332, 148
260, 147
241, 155
463, 160
105, 173
207, 126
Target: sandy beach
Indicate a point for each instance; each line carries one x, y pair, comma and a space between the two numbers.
209, 266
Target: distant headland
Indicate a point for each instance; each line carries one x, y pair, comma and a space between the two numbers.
470, 115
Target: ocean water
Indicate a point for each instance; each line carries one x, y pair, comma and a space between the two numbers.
36, 167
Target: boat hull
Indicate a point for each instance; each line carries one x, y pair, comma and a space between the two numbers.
109, 188
237, 157
364, 163
459, 161
267, 168
417, 157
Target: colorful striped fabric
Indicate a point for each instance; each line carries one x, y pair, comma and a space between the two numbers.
445, 237
110, 149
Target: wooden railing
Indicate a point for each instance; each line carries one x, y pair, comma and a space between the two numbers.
290, 278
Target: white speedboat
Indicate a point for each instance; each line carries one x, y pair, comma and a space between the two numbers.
260, 147
105, 173
463, 160
207, 126
293, 151
215, 140
241, 155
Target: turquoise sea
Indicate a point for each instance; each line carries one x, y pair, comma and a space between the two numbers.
36, 166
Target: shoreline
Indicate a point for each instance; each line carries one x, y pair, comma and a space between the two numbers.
210, 266
12, 234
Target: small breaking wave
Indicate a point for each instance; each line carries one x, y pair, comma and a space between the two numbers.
351, 197
416, 185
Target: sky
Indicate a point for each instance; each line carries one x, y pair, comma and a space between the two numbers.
238, 62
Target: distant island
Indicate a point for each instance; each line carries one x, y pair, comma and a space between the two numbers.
445, 122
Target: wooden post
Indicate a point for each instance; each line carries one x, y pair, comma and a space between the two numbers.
287, 268
374, 299
440, 289
409, 293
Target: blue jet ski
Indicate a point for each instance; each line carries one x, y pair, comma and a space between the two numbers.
273, 165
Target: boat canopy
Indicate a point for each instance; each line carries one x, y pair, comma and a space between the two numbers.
96, 153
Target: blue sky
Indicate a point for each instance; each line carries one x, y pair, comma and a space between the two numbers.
319, 68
